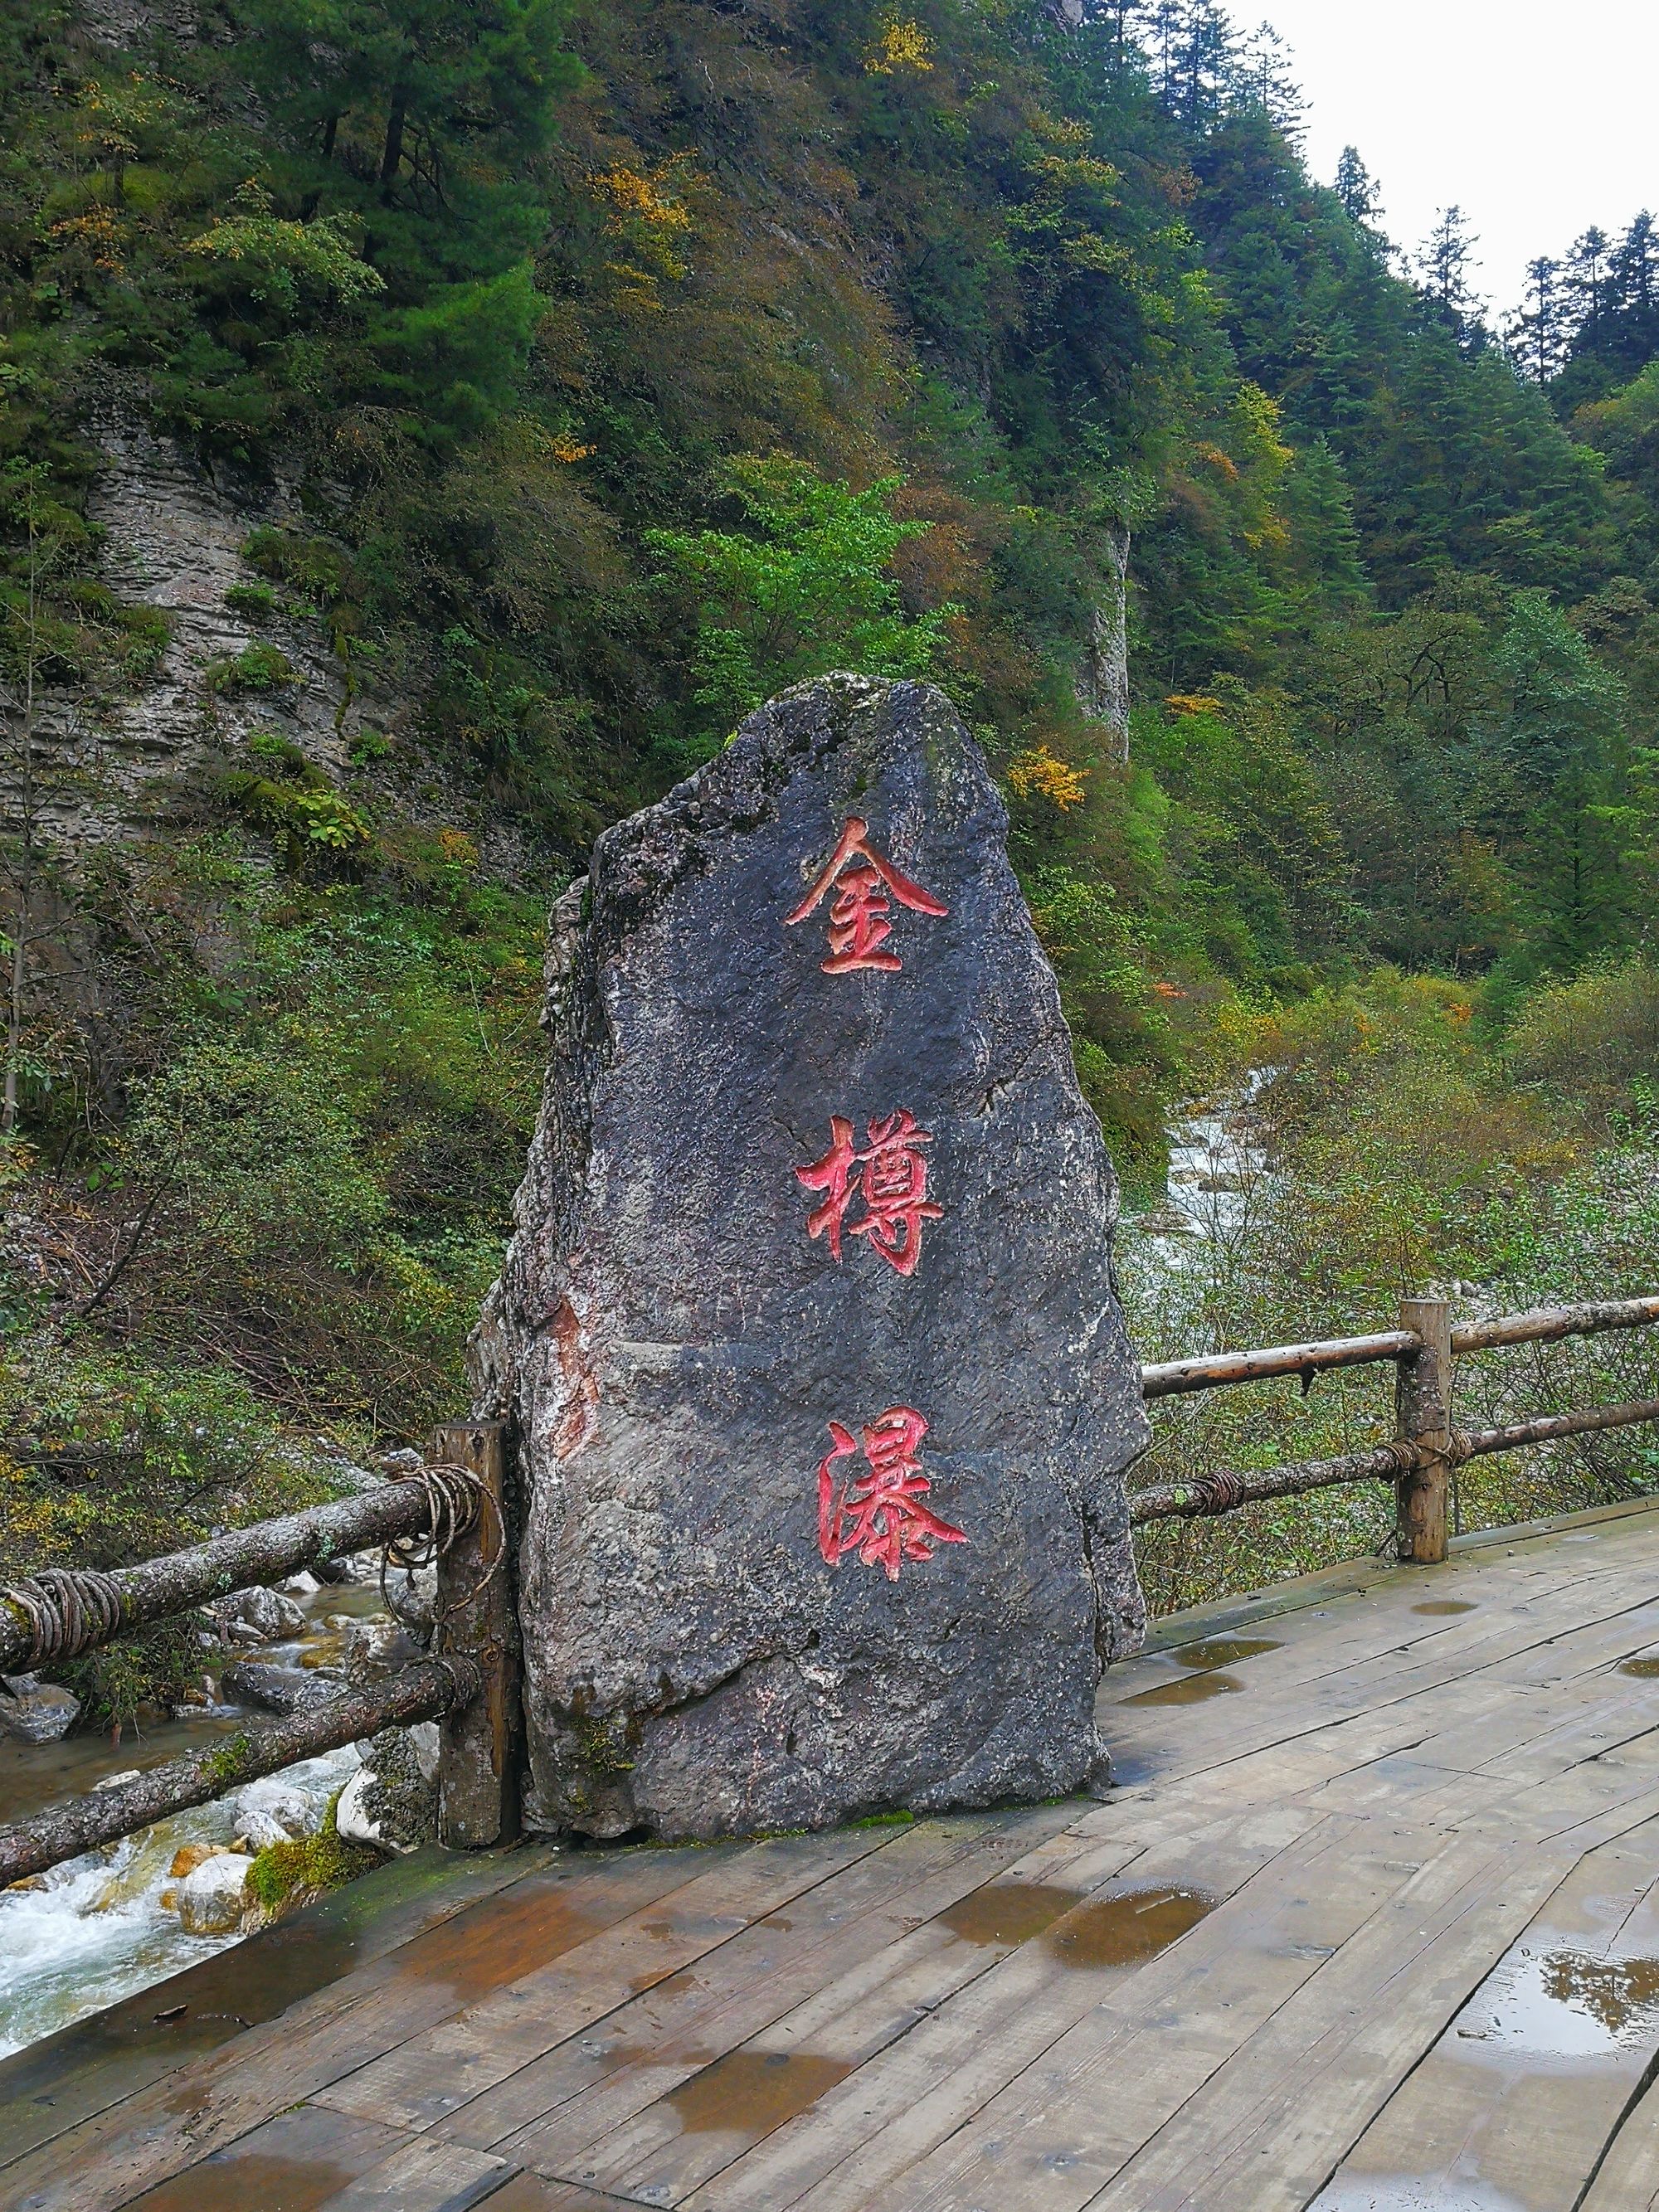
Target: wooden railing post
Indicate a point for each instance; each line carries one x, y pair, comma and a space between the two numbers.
1423, 1404
479, 1761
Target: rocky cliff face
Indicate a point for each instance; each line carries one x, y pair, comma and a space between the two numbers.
109, 762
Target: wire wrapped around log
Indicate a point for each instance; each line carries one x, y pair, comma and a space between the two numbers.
426, 1691
66, 1610
31, 1611
1224, 1492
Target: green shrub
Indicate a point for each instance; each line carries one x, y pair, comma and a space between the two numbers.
293, 1873
1593, 1038
256, 601
257, 667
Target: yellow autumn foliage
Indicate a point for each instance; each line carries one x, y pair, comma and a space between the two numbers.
1038, 773
903, 45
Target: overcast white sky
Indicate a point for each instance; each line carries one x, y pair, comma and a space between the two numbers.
1536, 120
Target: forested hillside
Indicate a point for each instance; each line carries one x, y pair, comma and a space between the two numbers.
583, 371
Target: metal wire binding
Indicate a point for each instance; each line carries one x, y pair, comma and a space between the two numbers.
67, 1610
455, 1501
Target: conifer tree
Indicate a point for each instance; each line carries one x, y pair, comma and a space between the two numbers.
1356, 188
1443, 265
1539, 334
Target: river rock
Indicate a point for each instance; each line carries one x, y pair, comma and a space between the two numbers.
34, 1711
391, 1800
266, 1613
809, 1326
271, 1811
212, 1898
371, 1650
277, 1689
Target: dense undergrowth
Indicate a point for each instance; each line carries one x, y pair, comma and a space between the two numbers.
623, 362
1406, 1144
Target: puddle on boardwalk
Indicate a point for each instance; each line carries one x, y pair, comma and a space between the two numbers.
1123, 1931
1563, 2005
1224, 1651
500, 1938
1645, 1669
1586, 2020
1190, 1690
749, 2093
1437, 1607
296, 2163
1009, 1911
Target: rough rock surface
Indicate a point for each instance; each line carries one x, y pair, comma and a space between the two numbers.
373, 1650
276, 1689
271, 1811
212, 1898
391, 1800
34, 1711
706, 1650
266, 1614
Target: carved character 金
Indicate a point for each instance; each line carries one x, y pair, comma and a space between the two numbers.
879, 1515
861, 880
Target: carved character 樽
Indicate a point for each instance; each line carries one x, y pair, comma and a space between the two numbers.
890, 1178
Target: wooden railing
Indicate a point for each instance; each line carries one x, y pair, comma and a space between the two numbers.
1427, 1446
455, 1504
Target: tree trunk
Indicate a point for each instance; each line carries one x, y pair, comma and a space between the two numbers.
420, 1692
1102, 687
391, 157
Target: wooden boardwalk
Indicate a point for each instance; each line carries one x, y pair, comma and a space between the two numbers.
1372, 1921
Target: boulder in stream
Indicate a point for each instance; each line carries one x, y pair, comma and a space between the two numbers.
34, 1711
391, 1800
213, 1897
276, 1689
809, 1327
265, 1615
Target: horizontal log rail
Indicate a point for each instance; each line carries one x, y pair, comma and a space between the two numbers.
1222, 1370
1224, 1493
1427, 1448
58, 1614
425, 1692
1549, 1324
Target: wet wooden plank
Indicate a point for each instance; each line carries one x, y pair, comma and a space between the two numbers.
101, 2162
425, 2076
424, 2175
1520, 2094
667, 2033
1050, 2139
1277, 2114
1628, 2180
868, 1990
947, 2063
298, 2162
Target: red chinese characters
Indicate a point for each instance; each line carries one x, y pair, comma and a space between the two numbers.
891, 1178
879, 1513
865, 886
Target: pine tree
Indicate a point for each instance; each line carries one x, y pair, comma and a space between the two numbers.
1538, 336
1263, 75
1356, 188
1443, 267
1636, 267
1588, 276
